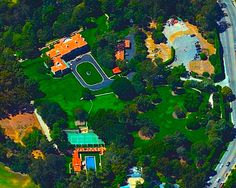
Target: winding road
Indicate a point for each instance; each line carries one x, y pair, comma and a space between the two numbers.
228, 40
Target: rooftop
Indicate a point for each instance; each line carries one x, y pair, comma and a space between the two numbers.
84, 139
63, 47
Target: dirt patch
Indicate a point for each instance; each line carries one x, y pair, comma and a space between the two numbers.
153, 24
179, 34
142, 136
161, 50
192, 29
18, 126
37, 154
205, 45
174, 115
200, 67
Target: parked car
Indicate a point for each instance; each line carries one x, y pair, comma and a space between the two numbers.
228, 163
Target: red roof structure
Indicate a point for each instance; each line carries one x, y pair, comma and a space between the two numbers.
116, 70
64, 46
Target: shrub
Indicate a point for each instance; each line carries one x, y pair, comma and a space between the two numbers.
123, 88
203, 56
179, 112
87, 94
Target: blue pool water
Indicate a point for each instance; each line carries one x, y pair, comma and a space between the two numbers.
90, 163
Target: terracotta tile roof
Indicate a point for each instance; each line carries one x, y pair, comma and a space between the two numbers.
120, 55
116, 70
76, 161
127, 43
58, 65
64, 46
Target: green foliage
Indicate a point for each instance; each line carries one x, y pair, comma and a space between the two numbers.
51, 112
123, 88
87, 94
48, 172
32, 140
216, 60
106, 124
172, 58
192, 101
203, 56
144, 103
231, 182
81, 114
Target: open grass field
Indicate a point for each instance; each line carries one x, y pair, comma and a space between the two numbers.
10, 179
89, 73
66, 91
162, 116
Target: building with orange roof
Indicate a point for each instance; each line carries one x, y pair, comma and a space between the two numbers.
120, 55
116, 70
65, 50
127, 43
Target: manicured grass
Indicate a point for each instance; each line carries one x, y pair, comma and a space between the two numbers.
66, 91
162, 116
11, 179
89, 73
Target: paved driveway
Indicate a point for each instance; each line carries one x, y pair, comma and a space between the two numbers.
89, 58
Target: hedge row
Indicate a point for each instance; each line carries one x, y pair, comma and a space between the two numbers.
172, 58
217, 60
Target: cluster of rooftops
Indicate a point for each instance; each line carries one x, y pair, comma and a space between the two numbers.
67, 49
120, 53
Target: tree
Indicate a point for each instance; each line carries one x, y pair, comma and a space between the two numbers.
227, 93
123, 88
179, 112
192, 101
193, 122
203, 56
138, 83
81, 114
49, 171
87, 94
147, 132
106, 124
144, 103
32, 140
51, 112
231, 182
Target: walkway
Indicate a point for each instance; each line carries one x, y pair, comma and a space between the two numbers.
44, 126
89, 58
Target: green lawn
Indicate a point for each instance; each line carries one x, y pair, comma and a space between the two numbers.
66, 91
89, 73
162, 116
10, 179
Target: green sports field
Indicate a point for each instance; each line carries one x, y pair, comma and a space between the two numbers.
89, 73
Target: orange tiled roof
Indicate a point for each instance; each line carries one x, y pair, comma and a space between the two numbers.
120, 55
64, 46
76, 162
127, 43
59, 65
116, 70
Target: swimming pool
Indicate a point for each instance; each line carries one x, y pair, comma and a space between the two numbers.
90, 163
